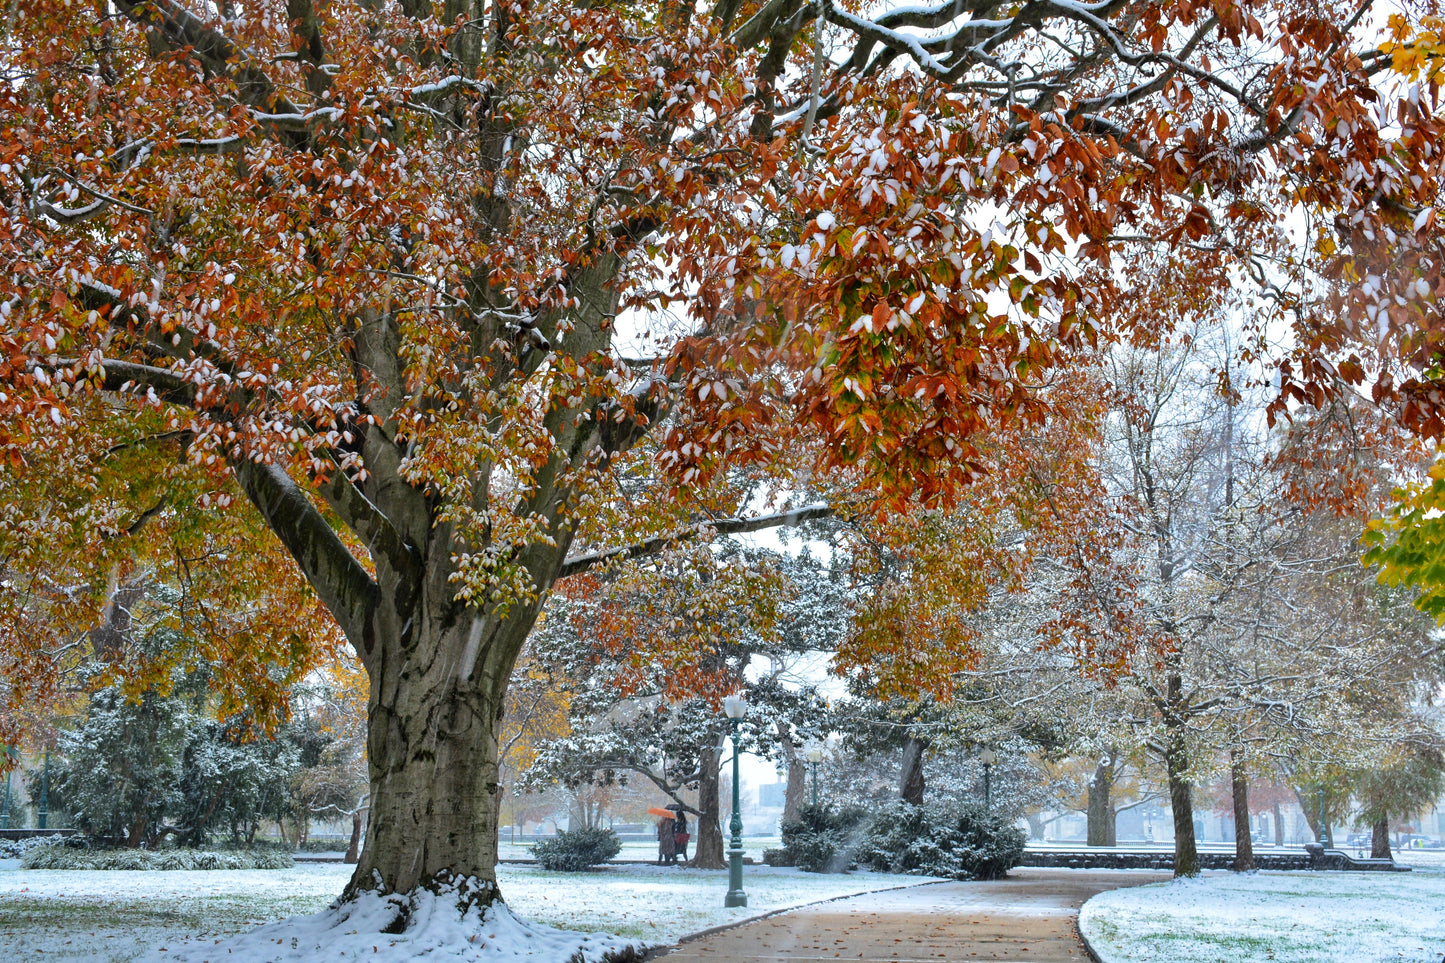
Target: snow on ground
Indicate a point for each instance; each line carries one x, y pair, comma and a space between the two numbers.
122, 916
1284, 917
1420, 858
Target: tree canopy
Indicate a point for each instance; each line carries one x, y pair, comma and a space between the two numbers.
414, 286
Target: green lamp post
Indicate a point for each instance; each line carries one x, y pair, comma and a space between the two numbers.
44, 813
988, 757
12, 757
5, 811
735, 707
815, 756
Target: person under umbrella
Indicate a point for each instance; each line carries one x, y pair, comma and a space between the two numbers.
680, 835
666, 835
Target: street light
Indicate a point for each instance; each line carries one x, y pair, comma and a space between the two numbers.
815, 756
45, 792
734, 707
12, 756
988, 757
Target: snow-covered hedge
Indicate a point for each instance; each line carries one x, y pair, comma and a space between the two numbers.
62, 857
958, 842
577, 850
18, 848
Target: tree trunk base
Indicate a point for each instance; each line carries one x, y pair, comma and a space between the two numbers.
1380, 840
466, 894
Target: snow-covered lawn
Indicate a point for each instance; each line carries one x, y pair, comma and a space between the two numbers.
1421, 858
1284, 917
122, 916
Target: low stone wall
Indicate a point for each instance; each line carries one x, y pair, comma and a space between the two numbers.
1332, 859
31, 833
1338, 859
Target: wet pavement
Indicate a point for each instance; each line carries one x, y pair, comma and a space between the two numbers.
1030, 917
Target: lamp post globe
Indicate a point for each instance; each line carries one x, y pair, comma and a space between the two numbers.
734, 707
815, 756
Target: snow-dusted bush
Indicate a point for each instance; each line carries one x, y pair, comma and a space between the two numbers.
577, 850
63, 857
19, 848
820, 840
958, 842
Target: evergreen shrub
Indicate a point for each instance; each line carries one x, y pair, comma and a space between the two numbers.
952, 841
65, 857
570, 852
820, 840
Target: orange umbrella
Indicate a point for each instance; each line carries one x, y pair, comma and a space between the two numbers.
659, 811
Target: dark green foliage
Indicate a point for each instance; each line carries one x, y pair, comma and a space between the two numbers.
777, 857
119, 774
231, 784
956, 842
572, 851
820, 840
1409, 782
138, 772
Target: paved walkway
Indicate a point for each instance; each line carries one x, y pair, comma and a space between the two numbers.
1027, 918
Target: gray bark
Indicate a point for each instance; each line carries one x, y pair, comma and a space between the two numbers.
911, 783
1101, 813
1243, 843
1181, 799
353, 846
707, 841
1380, 839
797, 768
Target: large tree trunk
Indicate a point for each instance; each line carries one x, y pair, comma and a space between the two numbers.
796, 793
1181, 801
434, 715
1243, 843
708, 842
797, 773
1181, 805
911, 783
353, 846
1278, 826
1380, 839
1101, 814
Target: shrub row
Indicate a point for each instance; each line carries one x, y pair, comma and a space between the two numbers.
17, 848
569, 852
952, 841
66, 857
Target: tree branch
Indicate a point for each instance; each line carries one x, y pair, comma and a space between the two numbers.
339, 579
726, 526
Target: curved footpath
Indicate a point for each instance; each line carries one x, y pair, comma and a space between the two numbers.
1030, 917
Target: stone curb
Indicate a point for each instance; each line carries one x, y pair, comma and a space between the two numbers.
656, 952
1084, 940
